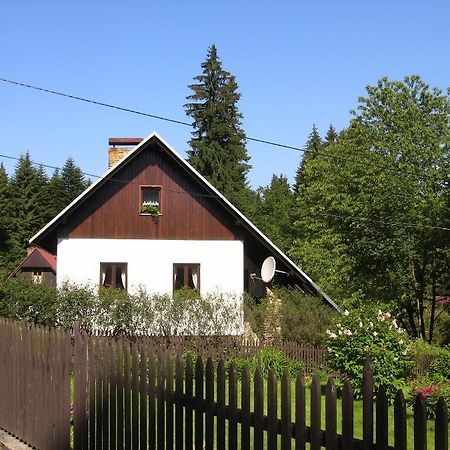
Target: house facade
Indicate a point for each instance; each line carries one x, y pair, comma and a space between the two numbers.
153, 222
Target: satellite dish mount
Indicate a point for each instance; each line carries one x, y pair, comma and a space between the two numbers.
268, 270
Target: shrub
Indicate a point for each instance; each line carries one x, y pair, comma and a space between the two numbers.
21, 299
430, 391
360, 335
440, 367
268, 358
305, 317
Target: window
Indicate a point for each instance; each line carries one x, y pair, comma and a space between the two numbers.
150, 200
186, 276
113, 275
37, 277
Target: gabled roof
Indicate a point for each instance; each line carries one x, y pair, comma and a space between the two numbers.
250, 227
38, 257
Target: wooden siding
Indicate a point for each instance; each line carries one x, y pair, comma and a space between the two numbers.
188, 213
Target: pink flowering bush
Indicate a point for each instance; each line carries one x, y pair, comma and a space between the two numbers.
361, 334
430, 390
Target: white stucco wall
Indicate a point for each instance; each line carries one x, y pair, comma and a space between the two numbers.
150, 265
150, 262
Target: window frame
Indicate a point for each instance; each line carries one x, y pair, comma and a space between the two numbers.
113, 274
186, 267
157, 187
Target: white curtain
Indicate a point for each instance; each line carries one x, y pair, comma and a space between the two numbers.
123, 277
195, 279
103, 276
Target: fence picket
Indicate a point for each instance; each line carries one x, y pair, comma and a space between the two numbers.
382, 413
232, 408
199, 379
315, 430
258, 407
161, 411
347, 416
245, 409
400, 440
330, 410
113, 394
209, 395
420, 424
441, 428
169, 402
300, 413
367, 406
189, 441
220, 405
285, 412
152, 401
179, 424
120, 394
272, 410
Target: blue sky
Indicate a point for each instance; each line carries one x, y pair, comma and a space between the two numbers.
296, 63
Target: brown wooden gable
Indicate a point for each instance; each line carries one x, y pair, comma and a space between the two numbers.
189, 210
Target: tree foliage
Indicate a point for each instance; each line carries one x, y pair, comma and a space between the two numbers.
372, 217
28, 200
274, 211
218, 142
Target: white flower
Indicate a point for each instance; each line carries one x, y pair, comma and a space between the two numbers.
331, 334
388, 314
371, 324
338, 325
360, 324
395, 359
366, 348
375, 333
346, 313
400, 341
348, 332
340, 332
394, 322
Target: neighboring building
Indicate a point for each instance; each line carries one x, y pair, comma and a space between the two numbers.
39, 266
153, 221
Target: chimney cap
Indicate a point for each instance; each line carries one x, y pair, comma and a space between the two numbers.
117, 141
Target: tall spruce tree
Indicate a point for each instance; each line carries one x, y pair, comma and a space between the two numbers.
312, 146
29, 204
218, 142
73, 181
4, 207
331, 136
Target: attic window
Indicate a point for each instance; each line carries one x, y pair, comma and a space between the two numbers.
150, 202
113, 275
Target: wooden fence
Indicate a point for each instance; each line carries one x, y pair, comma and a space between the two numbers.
126, 396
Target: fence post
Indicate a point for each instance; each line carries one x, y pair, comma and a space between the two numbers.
315, 434
367, 406
330, 427
441, 426
400, 438
420, 424
382, 419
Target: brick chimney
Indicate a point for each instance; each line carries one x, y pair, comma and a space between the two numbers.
119, 148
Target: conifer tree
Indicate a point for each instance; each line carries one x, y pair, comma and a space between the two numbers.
331, 136
4, 209
29, 205
73, 181
275, 207
312, 146
218, 141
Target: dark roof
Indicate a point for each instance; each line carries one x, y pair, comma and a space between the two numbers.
36, 258
271, 248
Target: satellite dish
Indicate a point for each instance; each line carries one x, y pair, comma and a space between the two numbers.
268, 269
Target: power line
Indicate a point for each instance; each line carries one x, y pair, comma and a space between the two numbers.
180, 122
340, 216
